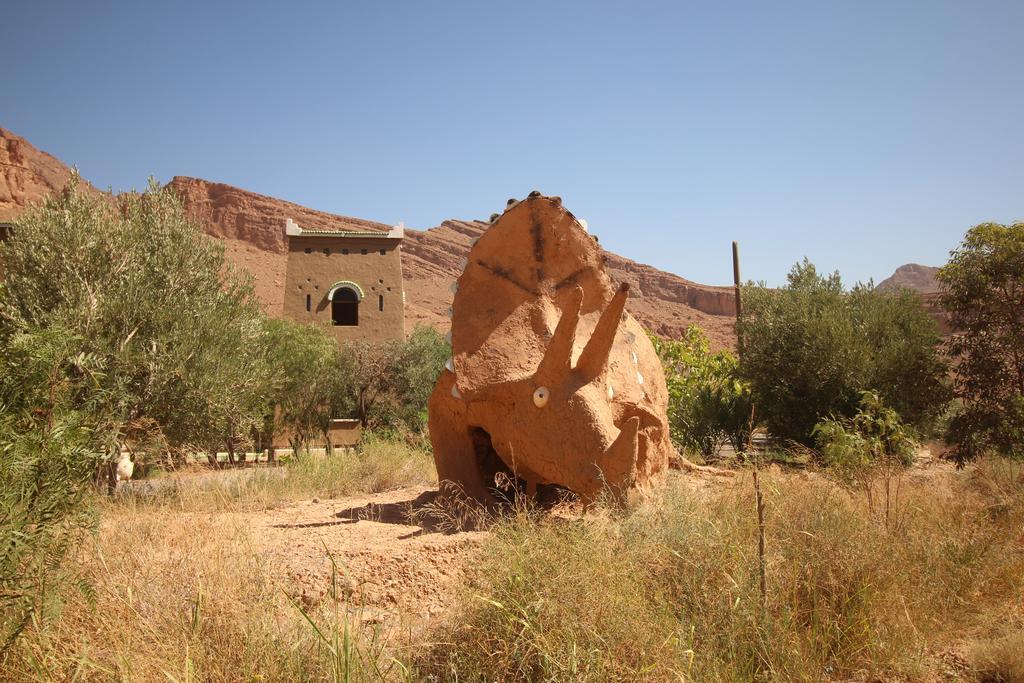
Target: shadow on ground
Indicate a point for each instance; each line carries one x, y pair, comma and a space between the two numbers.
423, 511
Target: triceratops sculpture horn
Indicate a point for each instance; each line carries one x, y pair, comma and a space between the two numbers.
512, 401
595, 354
557, 361
618, 462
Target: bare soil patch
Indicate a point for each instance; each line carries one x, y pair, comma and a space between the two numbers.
388, 564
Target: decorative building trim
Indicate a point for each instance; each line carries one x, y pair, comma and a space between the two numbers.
345, 284
292, 229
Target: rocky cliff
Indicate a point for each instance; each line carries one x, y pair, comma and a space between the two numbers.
251, 226
27, 175
912, 276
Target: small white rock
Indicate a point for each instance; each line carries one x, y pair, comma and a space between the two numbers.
639, 378
455, 392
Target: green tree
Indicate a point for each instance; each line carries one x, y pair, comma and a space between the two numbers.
305, 380
388, 385
175, 328
418, 363
708, 402
810, 348
983, 291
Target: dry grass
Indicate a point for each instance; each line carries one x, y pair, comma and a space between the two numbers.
174, 591
1000, 660
379, 465
185, 598
669, 591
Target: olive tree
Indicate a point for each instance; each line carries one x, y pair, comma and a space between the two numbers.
304, 381
983, 292
810, 348
175, 328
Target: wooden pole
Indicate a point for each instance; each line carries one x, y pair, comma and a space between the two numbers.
736, 278
736, 285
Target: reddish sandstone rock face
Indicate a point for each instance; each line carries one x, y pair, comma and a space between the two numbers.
921, 279
249, 224
551, 381
27, 175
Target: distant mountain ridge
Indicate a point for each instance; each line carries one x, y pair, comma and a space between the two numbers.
913, 276
251, 226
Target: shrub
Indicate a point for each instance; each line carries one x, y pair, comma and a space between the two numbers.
304, 380
875, 435
810, 348
48, 451
118, 324
708, 403
388, 385
983, 291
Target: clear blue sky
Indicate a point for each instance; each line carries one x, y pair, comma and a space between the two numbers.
862, 134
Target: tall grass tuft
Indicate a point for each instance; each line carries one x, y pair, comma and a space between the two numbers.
670, 591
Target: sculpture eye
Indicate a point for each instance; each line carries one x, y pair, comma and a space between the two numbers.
540, 397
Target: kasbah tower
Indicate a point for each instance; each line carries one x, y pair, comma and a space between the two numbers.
347, 279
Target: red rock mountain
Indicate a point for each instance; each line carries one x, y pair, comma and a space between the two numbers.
251, 226
912, 276
27, 175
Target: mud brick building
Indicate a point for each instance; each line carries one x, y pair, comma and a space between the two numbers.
347, 280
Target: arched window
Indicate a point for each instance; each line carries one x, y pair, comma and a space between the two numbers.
345, 297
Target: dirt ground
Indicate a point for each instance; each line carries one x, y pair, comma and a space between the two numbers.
391, 568
387, 565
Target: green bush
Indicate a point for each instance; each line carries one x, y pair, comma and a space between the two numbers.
875, 435
387, 385
50, 441
810, 348
983, 292
708, 402
304, 382
120, 324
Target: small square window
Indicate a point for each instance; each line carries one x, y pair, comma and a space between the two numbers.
382, 252
327, 252
308, 250
345, 252
363, 252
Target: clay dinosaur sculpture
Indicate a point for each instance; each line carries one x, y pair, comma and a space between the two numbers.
550, 380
